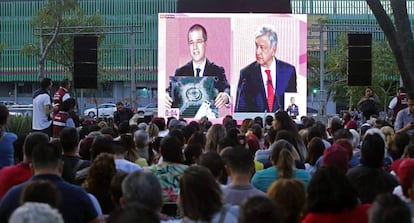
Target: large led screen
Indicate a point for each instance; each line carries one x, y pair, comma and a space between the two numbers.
244, 65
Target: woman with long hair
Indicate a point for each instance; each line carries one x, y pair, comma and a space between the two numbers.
283, 160
201, 198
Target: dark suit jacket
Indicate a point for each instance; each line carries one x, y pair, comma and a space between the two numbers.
251, 94
210, 69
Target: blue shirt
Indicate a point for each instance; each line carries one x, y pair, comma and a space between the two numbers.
404, 117
7, 149
264, 178
75, 205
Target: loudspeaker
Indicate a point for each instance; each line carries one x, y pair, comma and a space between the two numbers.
85, 57
359, 59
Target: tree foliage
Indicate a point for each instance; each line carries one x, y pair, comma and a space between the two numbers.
397, 29
71, 15
384, 73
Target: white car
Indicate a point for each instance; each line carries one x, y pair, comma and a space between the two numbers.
105, 109
148, 110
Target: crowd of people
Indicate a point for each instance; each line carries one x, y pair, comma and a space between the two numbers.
270, 169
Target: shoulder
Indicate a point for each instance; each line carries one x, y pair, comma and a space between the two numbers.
249, 67
184, 70
214, 67
285, 64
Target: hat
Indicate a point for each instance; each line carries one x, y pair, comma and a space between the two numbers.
406, 174
351, 124
336, 155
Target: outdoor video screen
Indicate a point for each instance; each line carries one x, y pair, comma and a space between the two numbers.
255, 64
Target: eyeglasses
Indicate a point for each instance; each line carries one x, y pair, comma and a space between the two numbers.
197, 42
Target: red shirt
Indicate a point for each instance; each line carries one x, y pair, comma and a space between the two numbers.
14, 175
357, 215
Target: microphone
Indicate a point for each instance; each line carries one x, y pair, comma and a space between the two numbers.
239, 91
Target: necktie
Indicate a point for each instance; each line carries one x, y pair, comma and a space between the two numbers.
198, 72
270, 91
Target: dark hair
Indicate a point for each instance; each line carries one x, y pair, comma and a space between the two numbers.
68, 104
192, 153
330, 191
32, 140
45, 83
116, 186
315, 150
119, 103
124, 127
257, 130
258, 120
69, 138
259, 208
42, 191
372, 150
400, 141
200, 195
238, 159
171, 149
313, 132
101, 144
282, 158
213, 162
197, 138
64, 83
200, 28
18, 145
389, 208
46, 155
4, 114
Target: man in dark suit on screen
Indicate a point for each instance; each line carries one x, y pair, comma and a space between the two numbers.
200, 66
262, 84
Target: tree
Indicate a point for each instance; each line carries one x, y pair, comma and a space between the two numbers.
54, 15
384, 73
397, 29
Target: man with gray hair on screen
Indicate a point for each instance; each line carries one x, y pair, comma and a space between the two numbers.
262, 84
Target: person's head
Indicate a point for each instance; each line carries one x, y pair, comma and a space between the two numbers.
259, 208
68, 105
141, 138
389, 208
144, 188
192, 153
290, 195
338, 156
284, 121
31, 141
368, 92
119, 106
69, 138
292, 100
116, 187
213, 136
171, 149
315, 150
410, 101
46, 84
406, 175
101, 144
197, 42
283, 158
266, 45
200, 195
214, 163
100, 173
4, 115
238, 160
46, 157
34, 212
65, 83
134, 213
41, 191
373, 149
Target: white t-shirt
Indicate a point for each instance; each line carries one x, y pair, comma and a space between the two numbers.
40, 121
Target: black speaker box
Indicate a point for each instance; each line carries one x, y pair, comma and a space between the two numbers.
359, 59
85, 57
